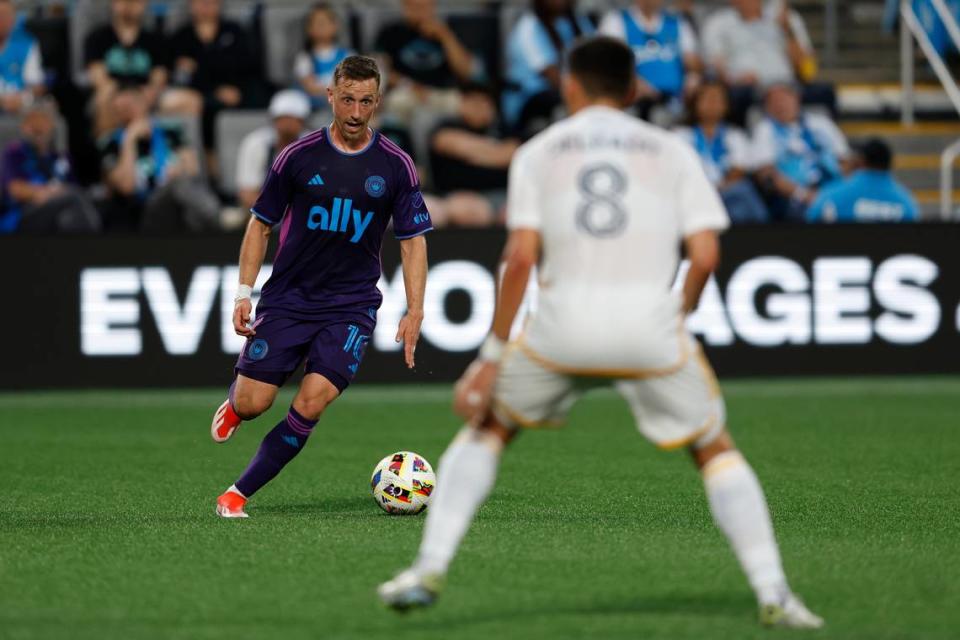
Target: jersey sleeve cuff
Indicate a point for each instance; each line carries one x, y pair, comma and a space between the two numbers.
263, 217
414, 235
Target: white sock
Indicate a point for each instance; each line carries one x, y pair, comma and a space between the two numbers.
233, 489
465, 477
740, 511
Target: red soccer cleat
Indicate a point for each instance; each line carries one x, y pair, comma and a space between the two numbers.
230, 505
225, 422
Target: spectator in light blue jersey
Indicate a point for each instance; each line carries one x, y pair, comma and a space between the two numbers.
322, 53
870, 194
796, 153
724, 151
665, 47
21, 72
535, 52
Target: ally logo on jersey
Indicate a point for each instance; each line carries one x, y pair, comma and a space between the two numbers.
338, 218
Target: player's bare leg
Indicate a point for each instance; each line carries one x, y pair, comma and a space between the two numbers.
465, 476
281, 444
740, 510
246, 399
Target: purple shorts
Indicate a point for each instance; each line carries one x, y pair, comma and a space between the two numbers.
332, 347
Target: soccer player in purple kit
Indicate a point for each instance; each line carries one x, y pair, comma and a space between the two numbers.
333, 193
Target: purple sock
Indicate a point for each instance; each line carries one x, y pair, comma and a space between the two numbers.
279, 447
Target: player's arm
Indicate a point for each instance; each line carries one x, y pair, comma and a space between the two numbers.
473, 392
413, 257
520, 256
252, 252
703, 252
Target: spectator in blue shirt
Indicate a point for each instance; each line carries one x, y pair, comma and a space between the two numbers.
152, 173
535, 52
665, 47
36, 184
870, 194
21, 72
313, 67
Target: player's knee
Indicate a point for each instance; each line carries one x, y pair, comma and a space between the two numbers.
312, 406
250, 405
493, 433
704, 452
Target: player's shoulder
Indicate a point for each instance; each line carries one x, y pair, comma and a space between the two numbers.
399, 160
296, 151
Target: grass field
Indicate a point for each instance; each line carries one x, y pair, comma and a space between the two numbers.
107, 527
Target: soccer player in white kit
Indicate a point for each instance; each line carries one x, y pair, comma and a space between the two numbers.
603, 202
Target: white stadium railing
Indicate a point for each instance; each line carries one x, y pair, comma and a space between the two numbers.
910, 29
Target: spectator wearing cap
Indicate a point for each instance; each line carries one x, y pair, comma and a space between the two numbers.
289, 110
38, 190
797, 153
469, 158
120, 54
665, 47
752, 47
535, 50
152, 174
212, 64
313, 67
869, 194
21, 71
725, 153
424, 61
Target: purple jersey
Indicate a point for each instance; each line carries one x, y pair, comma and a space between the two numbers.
334, 208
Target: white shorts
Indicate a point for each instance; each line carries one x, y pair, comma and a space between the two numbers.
672, 409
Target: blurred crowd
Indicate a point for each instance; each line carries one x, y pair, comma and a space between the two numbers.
171, 128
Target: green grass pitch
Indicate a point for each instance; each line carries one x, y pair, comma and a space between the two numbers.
107, 527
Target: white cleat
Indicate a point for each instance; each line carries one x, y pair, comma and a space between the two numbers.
791, 613
411, 589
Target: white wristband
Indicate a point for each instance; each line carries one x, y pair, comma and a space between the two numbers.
244, 291
492, 349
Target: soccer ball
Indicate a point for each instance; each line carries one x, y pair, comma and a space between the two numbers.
402, 483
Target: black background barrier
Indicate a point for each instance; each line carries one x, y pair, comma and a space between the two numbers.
138, 311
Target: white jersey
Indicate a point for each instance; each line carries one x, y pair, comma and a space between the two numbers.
612, 197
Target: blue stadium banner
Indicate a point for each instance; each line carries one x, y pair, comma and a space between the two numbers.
139, 311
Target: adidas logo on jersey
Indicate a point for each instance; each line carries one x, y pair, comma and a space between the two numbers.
338, 218
316, 180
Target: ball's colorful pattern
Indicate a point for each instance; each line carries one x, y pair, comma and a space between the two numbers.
402, 483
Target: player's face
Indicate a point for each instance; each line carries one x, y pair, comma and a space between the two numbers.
354, 102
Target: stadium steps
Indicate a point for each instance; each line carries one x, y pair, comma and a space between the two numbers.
865, 52
917, 161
